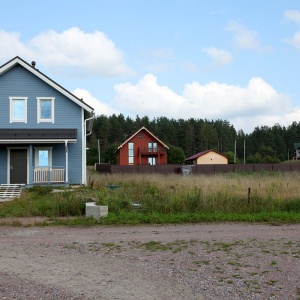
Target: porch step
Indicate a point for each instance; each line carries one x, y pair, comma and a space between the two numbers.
10, 191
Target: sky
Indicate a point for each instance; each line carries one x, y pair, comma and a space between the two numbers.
208, 59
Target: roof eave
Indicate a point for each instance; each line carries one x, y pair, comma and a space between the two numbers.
196, 156
17, 60
38, 141
143, 128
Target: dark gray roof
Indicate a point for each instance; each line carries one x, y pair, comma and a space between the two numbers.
38, 134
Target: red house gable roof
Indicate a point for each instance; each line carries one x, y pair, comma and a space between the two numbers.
195, 156
143, 128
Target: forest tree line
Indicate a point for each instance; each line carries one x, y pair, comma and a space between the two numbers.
188, 137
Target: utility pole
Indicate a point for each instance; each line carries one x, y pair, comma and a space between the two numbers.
99, 151
235, 151
234, 161
244, 151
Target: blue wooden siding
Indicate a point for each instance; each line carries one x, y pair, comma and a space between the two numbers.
19, 82
3, 165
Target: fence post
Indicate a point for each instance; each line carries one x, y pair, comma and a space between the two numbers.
249, 191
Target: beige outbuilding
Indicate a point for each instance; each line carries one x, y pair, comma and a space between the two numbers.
208, 157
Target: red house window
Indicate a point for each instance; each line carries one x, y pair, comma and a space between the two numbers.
131, 153
152, 161
152, 147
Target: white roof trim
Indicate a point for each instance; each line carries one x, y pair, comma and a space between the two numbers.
42, 141
43, 77
143, 128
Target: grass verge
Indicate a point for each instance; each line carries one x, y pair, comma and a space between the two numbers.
161, 199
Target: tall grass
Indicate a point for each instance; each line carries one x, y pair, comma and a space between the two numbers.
226, 193
41, 201
161, 198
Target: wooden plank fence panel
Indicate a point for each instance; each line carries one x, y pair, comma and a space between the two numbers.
197, 169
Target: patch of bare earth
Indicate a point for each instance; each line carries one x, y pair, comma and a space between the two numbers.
202, 261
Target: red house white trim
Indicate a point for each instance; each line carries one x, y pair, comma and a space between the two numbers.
142, 148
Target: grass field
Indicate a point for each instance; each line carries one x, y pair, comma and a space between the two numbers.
254, 197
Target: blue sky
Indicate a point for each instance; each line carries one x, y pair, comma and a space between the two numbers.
231, 60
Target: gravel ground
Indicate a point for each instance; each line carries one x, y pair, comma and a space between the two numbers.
203, 261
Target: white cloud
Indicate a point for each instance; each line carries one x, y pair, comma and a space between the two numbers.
189, 67
163, 67
159, 54
72, 52
99, 106
220, 57
245, 38
294, 41
292, 15
159, 60
256, 104
11, 46
148, 98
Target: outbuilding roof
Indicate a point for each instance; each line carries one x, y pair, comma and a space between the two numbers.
195, 156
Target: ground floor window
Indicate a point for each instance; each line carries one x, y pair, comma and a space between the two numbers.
43, 157
152, 160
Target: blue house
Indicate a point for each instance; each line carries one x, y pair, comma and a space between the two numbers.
43, 128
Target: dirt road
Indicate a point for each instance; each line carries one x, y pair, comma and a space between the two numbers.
203, 261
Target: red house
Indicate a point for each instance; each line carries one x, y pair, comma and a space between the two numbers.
142, 148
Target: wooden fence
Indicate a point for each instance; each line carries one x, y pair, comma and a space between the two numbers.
42, 175
141, 169
197, 169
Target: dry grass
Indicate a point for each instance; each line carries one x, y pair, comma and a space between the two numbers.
156, 198
282, 186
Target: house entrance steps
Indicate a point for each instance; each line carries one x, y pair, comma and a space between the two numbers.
10, 191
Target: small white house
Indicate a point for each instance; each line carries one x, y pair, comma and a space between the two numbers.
208, 157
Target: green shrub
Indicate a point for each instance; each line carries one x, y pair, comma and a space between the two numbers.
291, 206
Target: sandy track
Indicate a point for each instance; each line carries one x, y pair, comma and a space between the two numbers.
203, 261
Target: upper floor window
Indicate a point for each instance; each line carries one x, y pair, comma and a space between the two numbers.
18, 109
152, 147
45, 109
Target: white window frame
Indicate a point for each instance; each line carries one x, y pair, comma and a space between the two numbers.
152, 161
12, 109
131, 153
39, 112
36, 157
152, 147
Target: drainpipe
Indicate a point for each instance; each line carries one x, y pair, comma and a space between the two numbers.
85, 121
67, 162
84, 152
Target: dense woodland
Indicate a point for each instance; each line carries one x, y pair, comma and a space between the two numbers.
188, 137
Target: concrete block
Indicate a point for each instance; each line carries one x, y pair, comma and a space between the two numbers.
95, 211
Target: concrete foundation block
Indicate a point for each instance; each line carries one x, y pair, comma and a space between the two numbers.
95, 211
